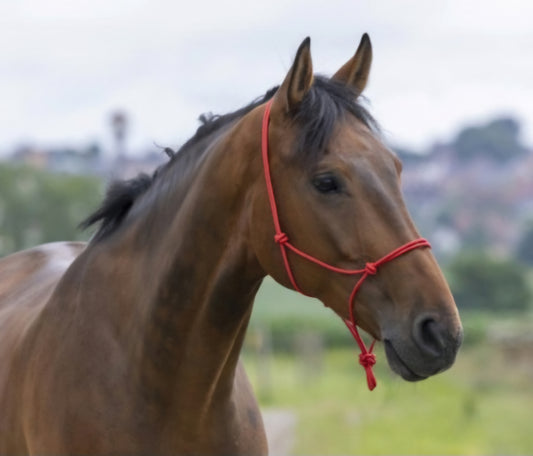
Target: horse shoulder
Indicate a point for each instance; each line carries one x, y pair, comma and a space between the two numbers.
250, 419
27, 280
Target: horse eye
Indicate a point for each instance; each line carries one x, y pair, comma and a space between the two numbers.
326, 183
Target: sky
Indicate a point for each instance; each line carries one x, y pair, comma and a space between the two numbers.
66, 65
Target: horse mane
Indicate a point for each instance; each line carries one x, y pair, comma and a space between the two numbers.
326, 102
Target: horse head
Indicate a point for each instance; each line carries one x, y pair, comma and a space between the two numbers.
339, 200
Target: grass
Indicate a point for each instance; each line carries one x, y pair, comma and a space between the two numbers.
482, 406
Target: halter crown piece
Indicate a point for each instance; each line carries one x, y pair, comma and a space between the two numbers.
367, 358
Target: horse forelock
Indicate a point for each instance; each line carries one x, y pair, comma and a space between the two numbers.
327, 103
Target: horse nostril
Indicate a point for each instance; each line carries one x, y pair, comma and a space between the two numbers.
427, 334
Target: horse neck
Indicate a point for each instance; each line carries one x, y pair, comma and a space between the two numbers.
184, 280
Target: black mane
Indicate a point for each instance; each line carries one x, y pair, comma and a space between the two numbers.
324, 105
213, 122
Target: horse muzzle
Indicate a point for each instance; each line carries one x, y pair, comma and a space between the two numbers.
430, 349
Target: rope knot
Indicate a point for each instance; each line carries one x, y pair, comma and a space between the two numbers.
367, 360
371, 268
281, 238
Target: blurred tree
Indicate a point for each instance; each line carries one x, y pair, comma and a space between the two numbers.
498, 140
482, 282
524, 250
38, 207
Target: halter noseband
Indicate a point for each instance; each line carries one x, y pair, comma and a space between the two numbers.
367, 358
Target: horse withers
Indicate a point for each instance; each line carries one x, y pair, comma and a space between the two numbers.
130, 344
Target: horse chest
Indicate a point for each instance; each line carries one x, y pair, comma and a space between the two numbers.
231, 424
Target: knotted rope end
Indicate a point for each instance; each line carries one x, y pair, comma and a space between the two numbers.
371, 381
368, 360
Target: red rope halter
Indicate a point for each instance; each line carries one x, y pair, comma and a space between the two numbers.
367, 359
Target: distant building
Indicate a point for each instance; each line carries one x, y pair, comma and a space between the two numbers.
87, 161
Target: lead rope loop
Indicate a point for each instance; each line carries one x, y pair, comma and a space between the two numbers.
367, 358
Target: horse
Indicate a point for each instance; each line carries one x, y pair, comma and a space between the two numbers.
130, 344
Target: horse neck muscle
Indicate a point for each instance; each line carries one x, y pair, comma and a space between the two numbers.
177, 300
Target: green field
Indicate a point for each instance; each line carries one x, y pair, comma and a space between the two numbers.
482, 406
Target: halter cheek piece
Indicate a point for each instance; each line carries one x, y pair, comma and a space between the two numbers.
367, 358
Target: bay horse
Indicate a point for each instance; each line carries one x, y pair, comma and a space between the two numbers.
130, 344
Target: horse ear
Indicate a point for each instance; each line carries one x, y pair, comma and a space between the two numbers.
356, 70
297, 82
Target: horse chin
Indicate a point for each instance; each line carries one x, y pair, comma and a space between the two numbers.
400, 366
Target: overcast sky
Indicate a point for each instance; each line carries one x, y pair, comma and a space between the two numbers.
66, 64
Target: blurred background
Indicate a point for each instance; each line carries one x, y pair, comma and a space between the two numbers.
93, 90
